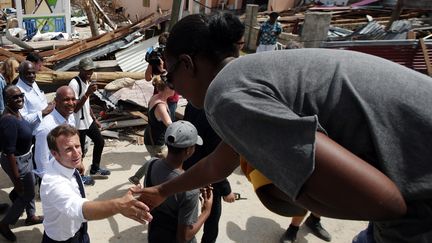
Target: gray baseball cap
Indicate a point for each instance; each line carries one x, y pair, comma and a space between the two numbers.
182, 134
86, 64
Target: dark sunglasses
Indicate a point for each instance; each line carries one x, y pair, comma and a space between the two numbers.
167, 76
15, 97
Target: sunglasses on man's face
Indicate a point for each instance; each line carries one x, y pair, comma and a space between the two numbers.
167, 76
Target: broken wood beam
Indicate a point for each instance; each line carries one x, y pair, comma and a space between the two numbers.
426, 56
7, 53
124, 123
107, 19
102, 78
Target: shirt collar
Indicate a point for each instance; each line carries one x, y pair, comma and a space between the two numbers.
67, 172
24, 85
60, 118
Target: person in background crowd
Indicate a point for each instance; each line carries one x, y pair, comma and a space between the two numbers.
157, 67
16, 161
2, 86
35, 103
85, 120
3, 206
11, 70
62, 114
222, 189
36, 59
268, 33
158, 120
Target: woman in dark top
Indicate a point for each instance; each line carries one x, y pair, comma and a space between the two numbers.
158, 120
16, 161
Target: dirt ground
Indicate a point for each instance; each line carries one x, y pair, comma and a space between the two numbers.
242, 221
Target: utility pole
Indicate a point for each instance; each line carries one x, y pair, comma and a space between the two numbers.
91, 17
175, 12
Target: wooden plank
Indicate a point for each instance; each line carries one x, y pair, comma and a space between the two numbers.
7, 53
102, 77
138, 114
106, 38
110, 134
106, 63
107, 19
125, 123
426, 57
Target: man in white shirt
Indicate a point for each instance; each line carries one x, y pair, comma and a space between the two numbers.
63, 198
85, 120
35, 103
62, 114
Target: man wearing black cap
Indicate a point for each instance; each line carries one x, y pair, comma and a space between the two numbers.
177, 220
85, 121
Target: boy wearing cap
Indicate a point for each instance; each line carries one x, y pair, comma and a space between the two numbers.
85, 120
176, 219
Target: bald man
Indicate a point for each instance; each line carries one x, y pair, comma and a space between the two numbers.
62, 114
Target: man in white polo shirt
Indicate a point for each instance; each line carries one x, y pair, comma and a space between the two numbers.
35, 103
62, 114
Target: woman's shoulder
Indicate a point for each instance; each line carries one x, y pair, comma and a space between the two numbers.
5, 117
154, 101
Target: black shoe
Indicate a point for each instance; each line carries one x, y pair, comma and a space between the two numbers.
3, 207
314, 225
13, 195
34, 220
290, 235
100, 173
87, 180
7, 233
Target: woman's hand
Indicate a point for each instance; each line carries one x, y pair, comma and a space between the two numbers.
230, 198
151, 196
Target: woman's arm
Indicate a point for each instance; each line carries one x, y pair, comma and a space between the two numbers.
148, 73
162, 114
344, 186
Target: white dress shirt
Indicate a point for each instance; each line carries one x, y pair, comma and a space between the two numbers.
42, 154
83, 118
34, 102
61, 202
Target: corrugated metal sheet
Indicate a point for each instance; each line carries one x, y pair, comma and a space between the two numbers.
131, 59
407, 53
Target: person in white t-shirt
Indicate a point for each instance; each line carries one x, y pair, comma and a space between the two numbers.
85, 121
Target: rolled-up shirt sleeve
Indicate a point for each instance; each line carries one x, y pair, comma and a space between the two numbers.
274, 139
42, 152
63, 198
33, 118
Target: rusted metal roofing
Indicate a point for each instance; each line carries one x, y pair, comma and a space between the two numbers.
405, 52
417, 4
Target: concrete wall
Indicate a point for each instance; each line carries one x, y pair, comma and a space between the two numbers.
136, 11
280, 5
